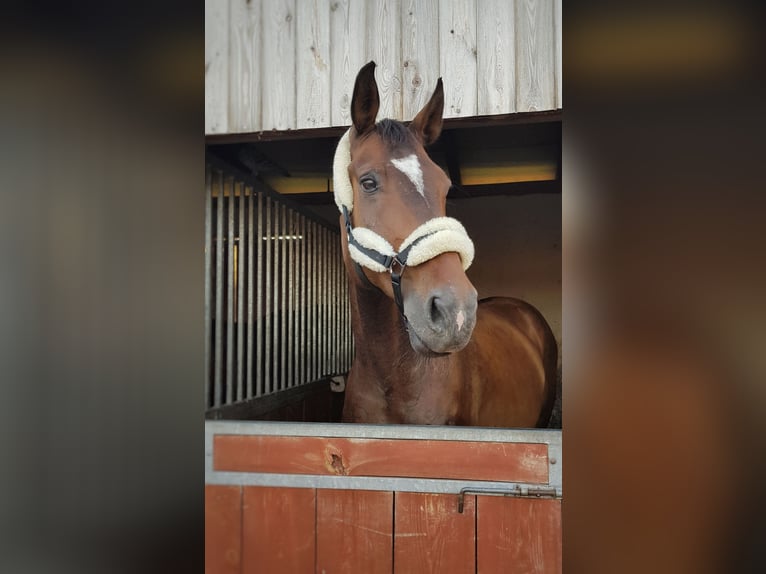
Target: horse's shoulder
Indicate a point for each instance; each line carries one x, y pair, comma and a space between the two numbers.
522, 315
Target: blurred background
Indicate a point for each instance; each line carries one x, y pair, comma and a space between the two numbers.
101, 286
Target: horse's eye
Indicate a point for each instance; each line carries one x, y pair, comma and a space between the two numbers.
368, 184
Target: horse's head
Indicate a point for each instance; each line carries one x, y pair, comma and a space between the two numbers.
396, 229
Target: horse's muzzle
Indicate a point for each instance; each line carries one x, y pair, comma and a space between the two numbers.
443, 321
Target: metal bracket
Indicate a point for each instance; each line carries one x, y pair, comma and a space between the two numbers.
517, 491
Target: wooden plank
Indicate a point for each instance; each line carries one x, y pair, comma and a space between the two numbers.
457, 56
558, 53
431, 536
244, 67
313, 64
420, 54
347, 20
535, 83
355, 531
278, 530
518, 535
496, 57
278, 64
383, 46
216, 66
510, 462
223, 529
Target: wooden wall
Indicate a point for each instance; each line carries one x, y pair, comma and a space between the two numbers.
291, 64
272, 530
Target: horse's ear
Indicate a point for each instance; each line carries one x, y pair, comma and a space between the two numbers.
427, 125
365, 101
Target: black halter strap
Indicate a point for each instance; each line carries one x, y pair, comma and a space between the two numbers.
394, 264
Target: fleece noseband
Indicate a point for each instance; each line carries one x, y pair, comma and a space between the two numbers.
368, 249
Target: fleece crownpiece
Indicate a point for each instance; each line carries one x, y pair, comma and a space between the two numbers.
367, 248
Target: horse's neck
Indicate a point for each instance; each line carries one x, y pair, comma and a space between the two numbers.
379, 332
385, 362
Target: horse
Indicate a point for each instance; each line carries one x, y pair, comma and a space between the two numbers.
426, 350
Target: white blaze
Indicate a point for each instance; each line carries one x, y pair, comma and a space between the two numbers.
410, 166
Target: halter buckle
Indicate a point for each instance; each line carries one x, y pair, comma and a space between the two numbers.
395, 261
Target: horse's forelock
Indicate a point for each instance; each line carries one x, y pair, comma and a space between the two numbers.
395, 134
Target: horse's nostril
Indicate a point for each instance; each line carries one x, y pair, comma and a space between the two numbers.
435, 312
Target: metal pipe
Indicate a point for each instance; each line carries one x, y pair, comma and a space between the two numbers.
249, 332
320, 300
218, 363
299, 277
275, 364
305, 298
241, 254
268, 310
230, 297
333, 306
259, 292
283, 301
325, 299
313, 303
290, 293
208, 294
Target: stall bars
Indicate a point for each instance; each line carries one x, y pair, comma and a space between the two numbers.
277, 311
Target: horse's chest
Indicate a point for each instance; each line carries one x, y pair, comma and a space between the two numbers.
427, 400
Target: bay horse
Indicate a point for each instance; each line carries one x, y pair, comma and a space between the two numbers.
426, 351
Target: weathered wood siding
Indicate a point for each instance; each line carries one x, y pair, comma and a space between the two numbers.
291, 64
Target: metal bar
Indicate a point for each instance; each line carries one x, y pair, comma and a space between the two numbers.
241, 254
320, 304
250, 304
347, 329
268, 310
208, 293
230, 297
303, 269
290, 241
328, 322
218, 363
326, 329
259, 290
313, 308
275, 363
298, 380
283, 301
515, 491
335, 307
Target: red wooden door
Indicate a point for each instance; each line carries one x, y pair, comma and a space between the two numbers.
305, 529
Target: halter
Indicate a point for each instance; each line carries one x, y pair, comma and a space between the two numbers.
368, 249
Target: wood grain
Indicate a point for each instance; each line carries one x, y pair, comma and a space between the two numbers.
457, 56
496, 57
223, 529
431, 536
354, 531
244, 68
216, 66
420, 54
278, 64
313, 64
558, 52
535, 84
383, 46
278, 530
347, 20
510, 462
518, 535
